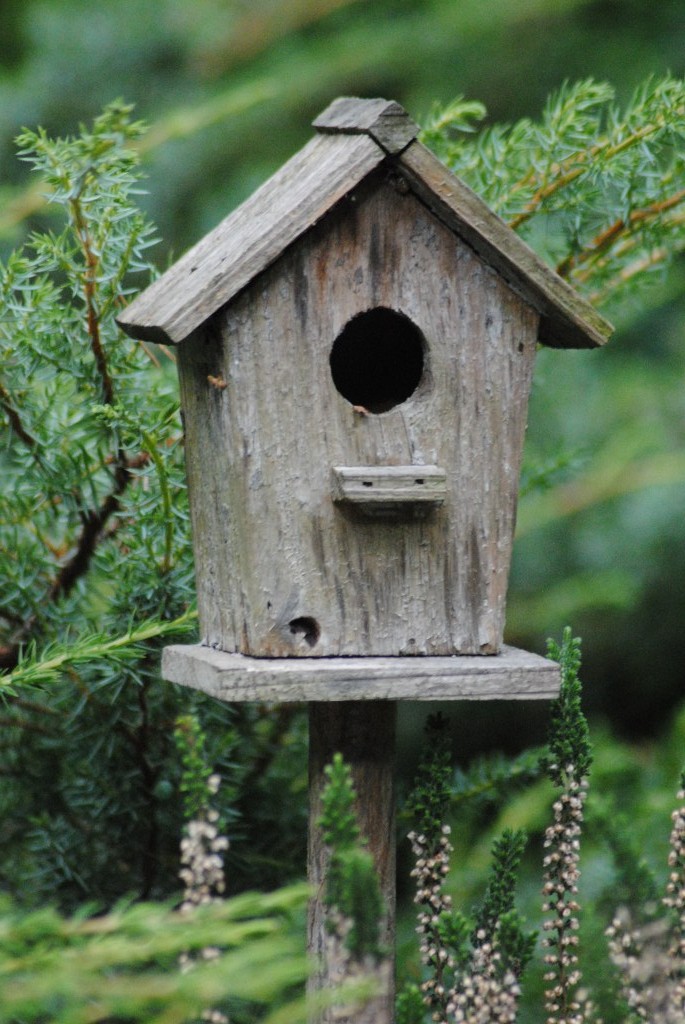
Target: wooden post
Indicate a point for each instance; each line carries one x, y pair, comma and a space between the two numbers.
364, 733
352, 710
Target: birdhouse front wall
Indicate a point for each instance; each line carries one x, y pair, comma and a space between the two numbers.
285, 565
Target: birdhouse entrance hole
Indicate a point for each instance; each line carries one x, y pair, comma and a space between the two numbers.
305, 628
377, 359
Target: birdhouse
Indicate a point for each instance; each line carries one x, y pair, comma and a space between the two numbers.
356, 345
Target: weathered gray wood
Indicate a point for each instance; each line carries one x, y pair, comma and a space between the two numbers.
384, 120
273, 552
250, 238
351, 141
390, 491
567, 320
365, 736
511, 675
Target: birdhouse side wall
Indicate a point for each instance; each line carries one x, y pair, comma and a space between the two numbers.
284, 570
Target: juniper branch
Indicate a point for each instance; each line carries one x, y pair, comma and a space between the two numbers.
34, 670
89, 278
14, 418
619, 231
93, 523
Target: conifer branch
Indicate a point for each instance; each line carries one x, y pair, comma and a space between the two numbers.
12, 722
36, 670
14, 418
90, 291
567, 171
618, 231
93, 523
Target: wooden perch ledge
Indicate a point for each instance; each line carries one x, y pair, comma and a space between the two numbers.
511, 675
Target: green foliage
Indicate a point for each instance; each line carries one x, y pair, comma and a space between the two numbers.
124, 964
40, 670
71, 470
430, 795
352, 886
96, 572
360, 901
634, 884
454, 933
569, 746
488, 781
338, 819
191, 743
516, 945
606, 183
497, 920
409, 1008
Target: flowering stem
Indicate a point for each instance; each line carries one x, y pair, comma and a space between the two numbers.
561, 872
568, 766
675, 898
432, 865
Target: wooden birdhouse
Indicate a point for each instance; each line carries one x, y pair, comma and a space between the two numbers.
356, 344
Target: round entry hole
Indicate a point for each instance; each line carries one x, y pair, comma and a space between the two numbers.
377, 359
305, 628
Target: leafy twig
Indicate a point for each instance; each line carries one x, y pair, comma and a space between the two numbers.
33, 670
14, 418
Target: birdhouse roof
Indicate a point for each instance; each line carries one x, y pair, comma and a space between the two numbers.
354, 136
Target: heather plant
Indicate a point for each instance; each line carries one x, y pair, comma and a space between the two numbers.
202, 844
158, 962
474, 964
352, 893
568, 765
649, 953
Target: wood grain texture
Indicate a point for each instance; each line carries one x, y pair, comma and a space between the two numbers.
365, 736
511, 675
250, 238
384, 120
271, 546
567, 320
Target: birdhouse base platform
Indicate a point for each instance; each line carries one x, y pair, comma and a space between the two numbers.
511, 675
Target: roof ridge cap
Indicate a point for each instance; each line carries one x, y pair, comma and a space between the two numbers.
385, 121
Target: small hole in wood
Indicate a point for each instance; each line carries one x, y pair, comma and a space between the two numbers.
367, 483
305, 628
520, 346
420, 481
377, 359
